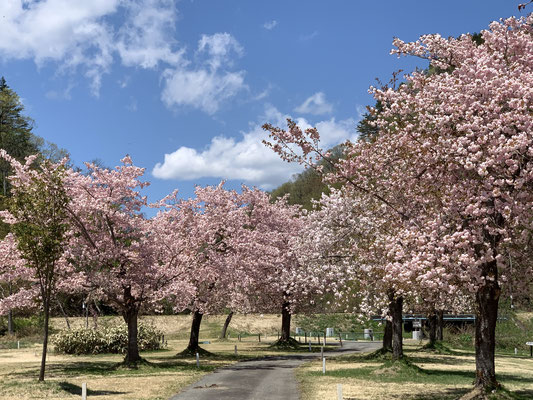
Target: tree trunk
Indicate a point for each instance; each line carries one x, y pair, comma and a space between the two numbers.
64, 314
487, 298
395, 310
226, 324
285, 322
432, 321
440, 325
195, 332
46, 305
130, 315
387, 336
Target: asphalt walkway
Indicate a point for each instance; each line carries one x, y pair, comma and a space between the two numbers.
270, 378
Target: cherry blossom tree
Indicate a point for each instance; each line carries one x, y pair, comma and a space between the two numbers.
210, 221
17, 284
114, 248
276, 280
453, 161
40, 226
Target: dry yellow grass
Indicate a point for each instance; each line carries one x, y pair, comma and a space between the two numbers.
65, 374
443, 377
179, 325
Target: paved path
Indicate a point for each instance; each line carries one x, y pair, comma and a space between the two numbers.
270, 378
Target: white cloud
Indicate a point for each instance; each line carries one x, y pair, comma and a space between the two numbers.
270, 25
87, 35
219, 49
316, 105
247, 159
73, 33
200, 88
146, 37
210, 83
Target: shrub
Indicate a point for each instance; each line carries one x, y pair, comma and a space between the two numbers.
24, 326
105, 340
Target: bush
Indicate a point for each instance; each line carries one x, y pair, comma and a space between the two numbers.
105, 340
24, 326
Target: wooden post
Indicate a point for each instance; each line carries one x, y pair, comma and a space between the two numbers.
305, 337
340, 339
259, 337
235, 349
324, 338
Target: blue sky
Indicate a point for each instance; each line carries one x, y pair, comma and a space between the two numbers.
184, 86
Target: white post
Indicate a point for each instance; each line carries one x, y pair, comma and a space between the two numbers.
515, 351
84, 391
235, 349
322, 352
339, 391
324, 365
309, 346
198, 360
18, 344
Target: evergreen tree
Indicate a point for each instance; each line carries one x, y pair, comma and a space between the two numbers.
307, 186
15, 132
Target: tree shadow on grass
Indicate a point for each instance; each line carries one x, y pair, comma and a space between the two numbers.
104, 368
440, 359
524, 393
76, 390
445, 394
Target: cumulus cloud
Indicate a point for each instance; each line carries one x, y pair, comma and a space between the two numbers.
200, 88
246, 158
270, 25
146, 37
79, 34
210, 83
316, 105
87, 36
73, 33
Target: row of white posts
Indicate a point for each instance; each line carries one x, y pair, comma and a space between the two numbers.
339, 385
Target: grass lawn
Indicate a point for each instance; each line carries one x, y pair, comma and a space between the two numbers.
163, 375
429, 376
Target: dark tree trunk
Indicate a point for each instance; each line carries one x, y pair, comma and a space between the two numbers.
440, 325
64, 314
285, 322
432, 322
226, 324
10, 329
195, 332
395, 310
387, 336
46, 305
130, 314
487, 298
